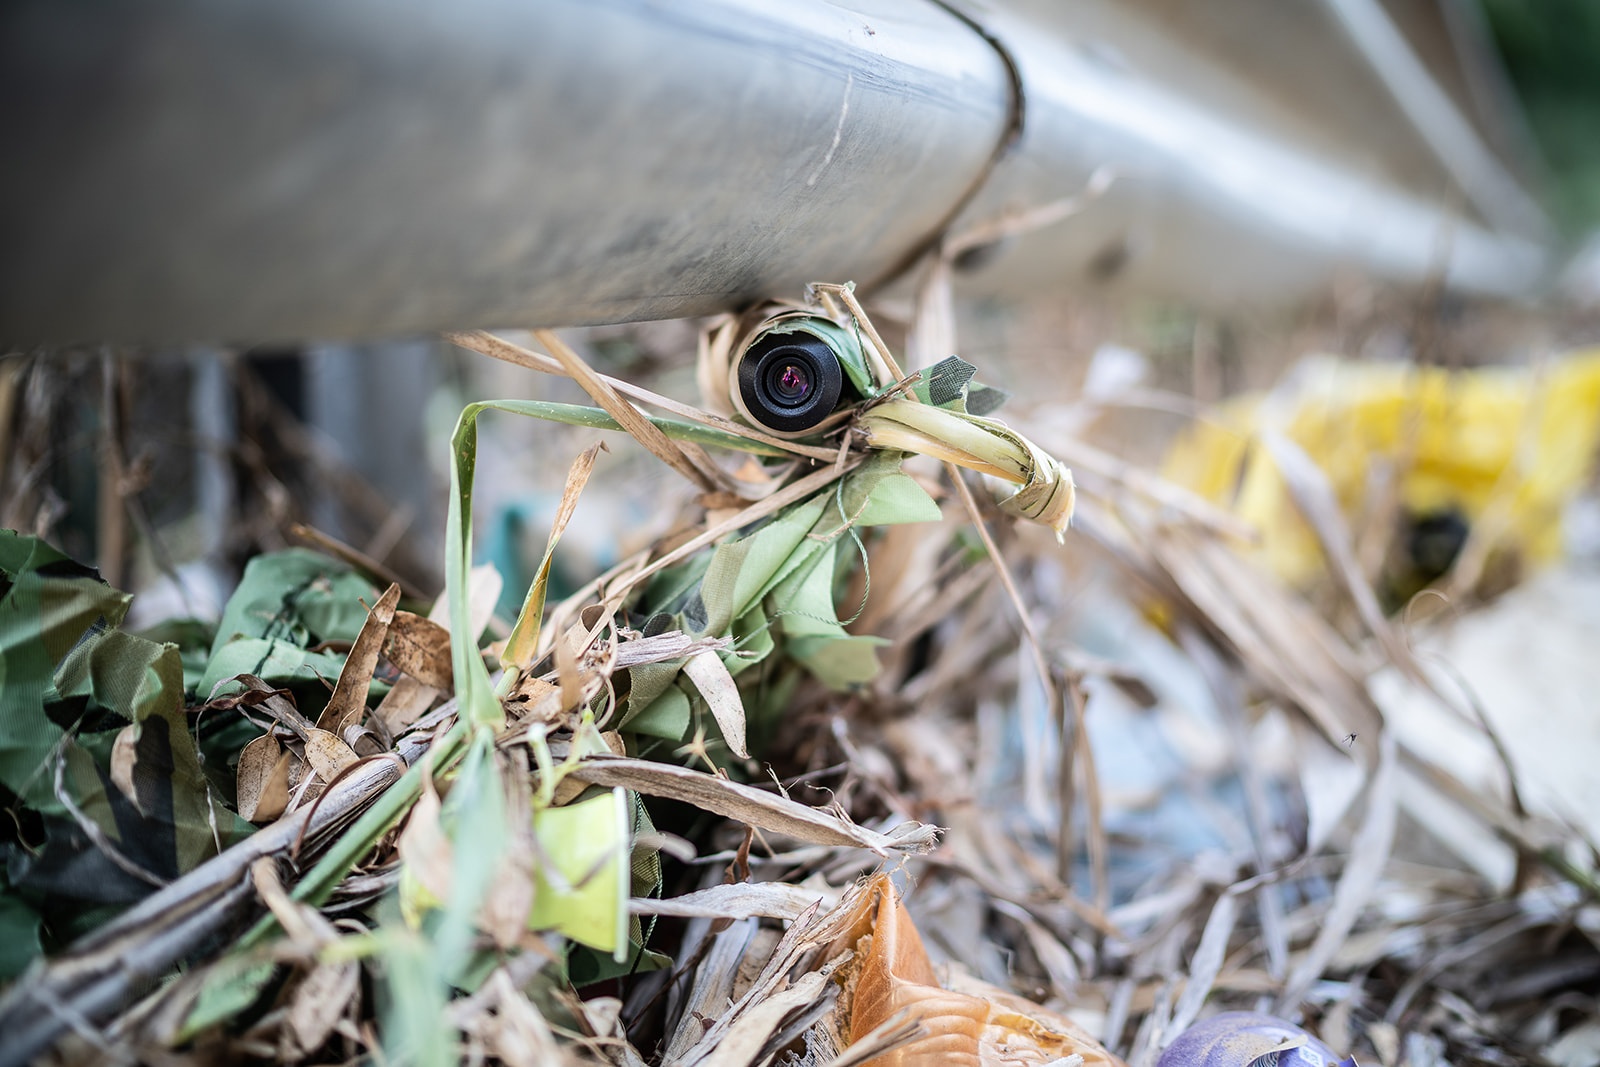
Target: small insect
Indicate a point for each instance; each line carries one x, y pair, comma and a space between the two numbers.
1349, 739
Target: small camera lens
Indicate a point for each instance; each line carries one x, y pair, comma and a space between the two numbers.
789, 382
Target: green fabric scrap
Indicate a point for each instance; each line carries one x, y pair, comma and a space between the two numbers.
806, 597
892, 499
275, 661
742, 572
752, 641
666, 717
70, 685
194, 638
949, 384
19, 934
839, 663
297, 596
782, 575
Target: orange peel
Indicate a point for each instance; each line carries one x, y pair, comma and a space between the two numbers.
891, 973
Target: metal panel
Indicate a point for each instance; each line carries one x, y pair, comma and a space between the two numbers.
196, 170
193, 169
1215, 202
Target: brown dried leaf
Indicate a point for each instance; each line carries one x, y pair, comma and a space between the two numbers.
306, 928
521, 647
503, 915
404, 704
702, 1035
754, 807
424, 847
674, 644
363, 741
274, 702
747, 1037
328, 992
327, 754
484, 584
710, 675
263, 780
535, 700
571, 678
1284, 644
124, 761
737, 900
643, 430
1369, 857
1313, 495
515, 1031
420, 648
349, 701
723, 955
1206, 963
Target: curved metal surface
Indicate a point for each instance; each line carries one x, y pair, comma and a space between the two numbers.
1206, 206
193, 170
186, 169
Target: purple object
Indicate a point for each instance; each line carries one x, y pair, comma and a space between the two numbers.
1248, 1039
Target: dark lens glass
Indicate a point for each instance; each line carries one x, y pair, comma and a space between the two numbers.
790, 381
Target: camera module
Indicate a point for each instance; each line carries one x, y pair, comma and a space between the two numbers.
788, 383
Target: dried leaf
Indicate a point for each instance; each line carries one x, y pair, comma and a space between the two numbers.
509, 899
710, 675
349, 701
1369, 855
409, 699
724, 953
1207, 961
263, 779
275, 703
484, 585
363, 741
428, 856
420, 648
738, 900
1314, 496
809, 931
404, 704
749, 805
124, 759
535, 700
321, 1000
747, 1037
674, 644
515, 1031
327, 754
1283, 643
631, 419
522, 645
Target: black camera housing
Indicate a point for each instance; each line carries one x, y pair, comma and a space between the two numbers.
789, 382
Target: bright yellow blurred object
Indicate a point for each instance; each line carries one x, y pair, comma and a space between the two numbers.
1504, 447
